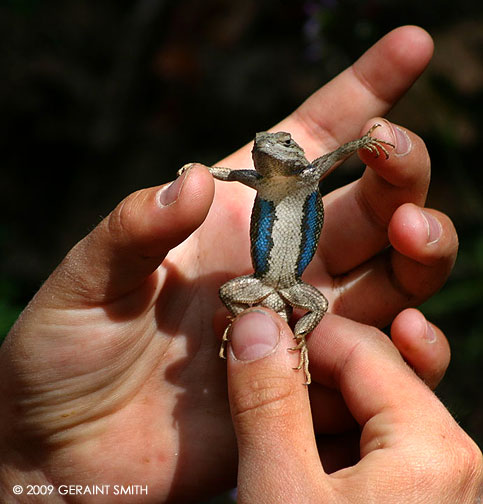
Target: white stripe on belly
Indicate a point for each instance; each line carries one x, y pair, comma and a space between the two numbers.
287, 238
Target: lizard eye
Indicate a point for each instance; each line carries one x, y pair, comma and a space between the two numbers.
287, 143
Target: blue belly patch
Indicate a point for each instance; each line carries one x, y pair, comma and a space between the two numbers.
263, 217
311, 226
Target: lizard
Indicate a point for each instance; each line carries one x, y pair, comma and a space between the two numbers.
285, 226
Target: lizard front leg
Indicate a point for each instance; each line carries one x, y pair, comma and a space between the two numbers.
247, 177
218, 172
320, 166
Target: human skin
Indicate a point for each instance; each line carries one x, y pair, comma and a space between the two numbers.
110, 375
411, 449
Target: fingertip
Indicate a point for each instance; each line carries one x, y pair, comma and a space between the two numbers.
395, 61
422, 345
408, 230
423, 234
408, 327
421, 39
379, 129
194, 183
191, 185
408, 41
154, 220
407, 164
255, 334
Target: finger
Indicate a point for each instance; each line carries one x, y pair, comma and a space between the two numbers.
367, 369
270, 408
404, 425
357, 216
424, 250
336, 112
128, 245
423, 346
329, 411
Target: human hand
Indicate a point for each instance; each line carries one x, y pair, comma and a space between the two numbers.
405, 447
112, 368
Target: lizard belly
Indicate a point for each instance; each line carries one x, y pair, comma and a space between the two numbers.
287, 239
284, 237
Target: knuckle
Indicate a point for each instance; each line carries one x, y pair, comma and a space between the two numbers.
120, 220
459, 471
470, 463
270, 397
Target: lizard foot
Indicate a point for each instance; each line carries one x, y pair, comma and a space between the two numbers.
374, 144
184, 168
224, 342
304, 357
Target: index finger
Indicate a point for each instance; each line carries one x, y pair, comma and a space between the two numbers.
406, 431
370, 87
383, 394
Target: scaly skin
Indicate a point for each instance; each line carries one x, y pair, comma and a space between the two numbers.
286, 222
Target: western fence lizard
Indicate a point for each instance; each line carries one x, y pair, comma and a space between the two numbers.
286, 221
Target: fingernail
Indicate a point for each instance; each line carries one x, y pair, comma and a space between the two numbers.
254, 335
433, 226
169, 194
430, 335
403, 142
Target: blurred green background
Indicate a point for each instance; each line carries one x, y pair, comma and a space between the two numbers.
99, 99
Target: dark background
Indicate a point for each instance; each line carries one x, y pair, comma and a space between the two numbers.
100, 98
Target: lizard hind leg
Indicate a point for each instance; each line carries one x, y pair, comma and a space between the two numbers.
239, 294
272, 301
306, 297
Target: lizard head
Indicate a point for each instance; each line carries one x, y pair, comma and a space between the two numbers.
278, 154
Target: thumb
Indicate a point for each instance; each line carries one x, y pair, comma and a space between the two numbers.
130, 243
271, 412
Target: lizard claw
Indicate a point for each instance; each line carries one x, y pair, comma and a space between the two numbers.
374, 144
304, 357
224, 342
184, 168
